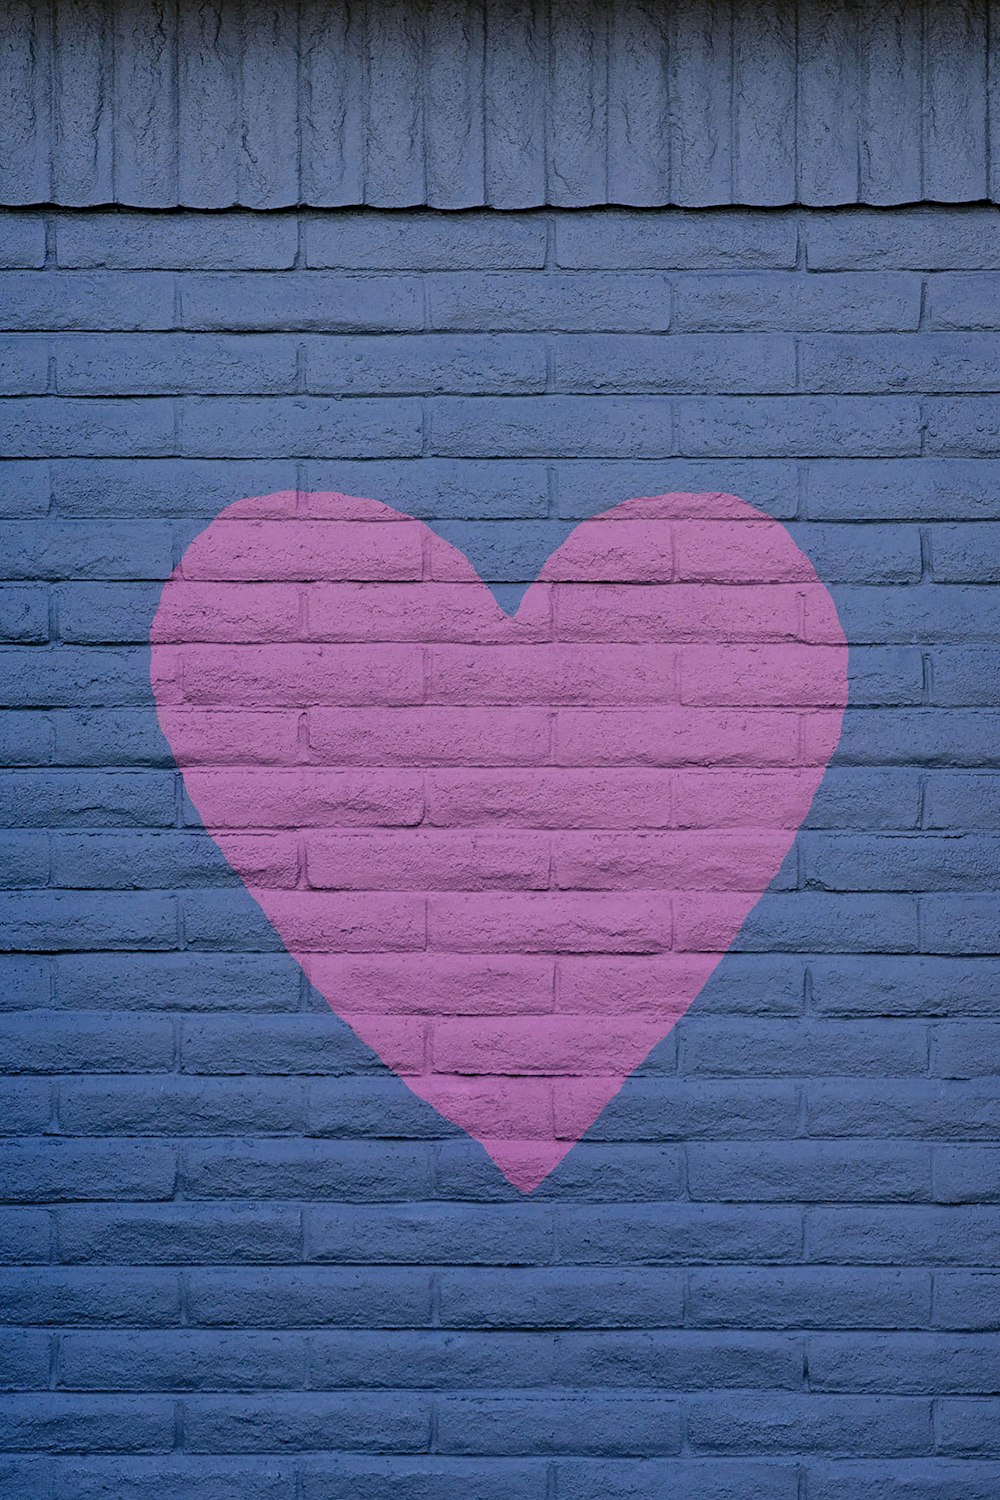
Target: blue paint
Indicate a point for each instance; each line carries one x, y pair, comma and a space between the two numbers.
218, 1202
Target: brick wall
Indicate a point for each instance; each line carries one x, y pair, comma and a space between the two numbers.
245, 1260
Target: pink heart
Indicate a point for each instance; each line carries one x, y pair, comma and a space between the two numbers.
508, 851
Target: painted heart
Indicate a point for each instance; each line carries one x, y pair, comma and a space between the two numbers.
509, 851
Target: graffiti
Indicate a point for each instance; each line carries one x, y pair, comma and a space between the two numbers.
508, 850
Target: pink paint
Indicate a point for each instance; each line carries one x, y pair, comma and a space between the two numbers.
508, 851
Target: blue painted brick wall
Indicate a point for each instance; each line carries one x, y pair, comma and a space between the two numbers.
245, 1263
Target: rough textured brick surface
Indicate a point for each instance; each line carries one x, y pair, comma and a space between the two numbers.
513, 107
243, 1261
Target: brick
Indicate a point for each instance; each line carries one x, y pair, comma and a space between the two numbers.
25, 1236
917, 1108
24, 240
428, 860
963, 799
775, 302
969, 1427
29, 1475
538, 1297
179, 1234
351, 1171
175, 364
671, 1108
860, 554
922, 1479
432, 1478
93, 614
69, 1424
806, 921
591, 485
309, 1297
320, 302
805, 1297
684, 1478
745, 675
188, 489
27, 861
79, 1297
24, 489
351, 675
549, 922
430, 364
24, 1361
366, 1422
73, 676
48, 426
135, 242
416, 1233
228, 920
961, 300
856, 797
912, 1363
799, 426
425, 242
966, 1049
264, 1045
967, 1300
677, 611
384, 737
60, 921
968, 553
900, 862
920, 737
885, 490
548, 798
140, 861
922, 362
24, 367
591, 303
918, 986
25, 1106
967, 1174
178, 981
429, 1359
25, 982
925, 238
820, 1171
179, 1106
801, 1047
551, 426
196, 1479
122, 550
962, 425
611, 1424
64, 300
959, 924
608, 861
56, 1171
41, 1041
682, 241
295, 427
688, 1360
592, 1172
85, 798
566, 674
881, 1425
615, 1234
922, 1233
751, 984
25, 739
617, 362
181, 1360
